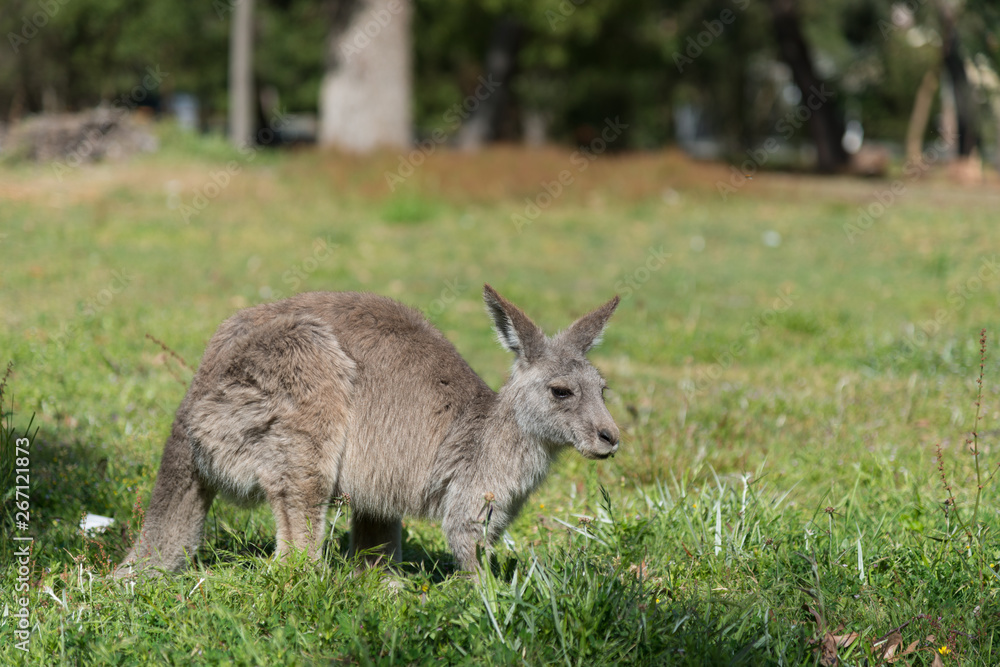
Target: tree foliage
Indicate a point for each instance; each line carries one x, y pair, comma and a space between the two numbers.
578, 63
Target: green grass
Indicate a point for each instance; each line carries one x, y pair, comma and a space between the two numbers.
781, 409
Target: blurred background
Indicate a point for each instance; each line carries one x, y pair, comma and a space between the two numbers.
837, 86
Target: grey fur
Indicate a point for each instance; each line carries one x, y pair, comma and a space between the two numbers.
298, 401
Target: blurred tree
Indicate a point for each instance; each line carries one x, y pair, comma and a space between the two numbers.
76, 54
825, 125
291, 48
921, 114
719, 56
366, 94
88, 51
573, 65
486, 119
895, 66
577, 64
979, 28
953, 60
241, 89
585, 64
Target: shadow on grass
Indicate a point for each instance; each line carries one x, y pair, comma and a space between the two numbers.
66, 480
234, 534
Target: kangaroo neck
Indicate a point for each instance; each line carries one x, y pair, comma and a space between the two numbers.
523, 459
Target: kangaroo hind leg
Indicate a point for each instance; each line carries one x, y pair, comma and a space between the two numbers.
306, 382
299, 508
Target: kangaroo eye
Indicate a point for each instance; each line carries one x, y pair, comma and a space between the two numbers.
561, 392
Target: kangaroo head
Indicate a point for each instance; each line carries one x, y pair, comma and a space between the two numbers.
558, 394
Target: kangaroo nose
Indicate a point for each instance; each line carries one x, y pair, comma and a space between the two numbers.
610, 437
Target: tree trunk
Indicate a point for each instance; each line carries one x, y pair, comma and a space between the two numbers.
365, 98
484, 125
825, 126
920, 115
995, 105
965, 107
241, 103
948, 121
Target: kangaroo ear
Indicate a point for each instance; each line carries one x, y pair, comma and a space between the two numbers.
516, 331
586, 332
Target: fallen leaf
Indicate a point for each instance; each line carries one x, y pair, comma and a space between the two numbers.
937, 661
844, 641
828, 657
891, 643
908, 650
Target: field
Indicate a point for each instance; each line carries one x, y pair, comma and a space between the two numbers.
797, 368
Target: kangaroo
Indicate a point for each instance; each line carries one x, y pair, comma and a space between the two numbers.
329, 393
